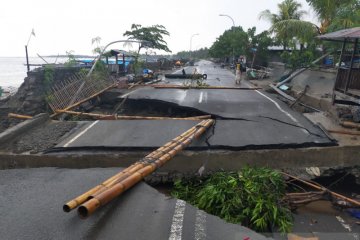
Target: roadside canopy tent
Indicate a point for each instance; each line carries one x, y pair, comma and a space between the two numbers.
350, 35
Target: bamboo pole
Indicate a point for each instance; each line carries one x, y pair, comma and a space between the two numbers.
323, 189
84, 197
106, 196
135, 84
350, 124
170, 146
203, 87
117, 117
200, 117
79, 200
19, 116
344, 132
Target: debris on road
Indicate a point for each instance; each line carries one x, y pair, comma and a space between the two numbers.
202, 87
186, 76
344, 132
19, 116
315, 195
292, 236
114, 186
348, 124
121, 117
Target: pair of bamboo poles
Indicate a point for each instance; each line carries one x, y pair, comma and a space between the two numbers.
100, 195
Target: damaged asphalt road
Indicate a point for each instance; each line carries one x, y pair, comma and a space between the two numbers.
35, 197
246, 119
226, 134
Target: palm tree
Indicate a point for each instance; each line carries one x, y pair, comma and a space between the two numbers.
345, 12
287, 24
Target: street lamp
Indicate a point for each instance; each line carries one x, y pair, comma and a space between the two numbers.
196, 34
224, 15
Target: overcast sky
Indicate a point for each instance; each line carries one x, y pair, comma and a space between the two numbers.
66, 25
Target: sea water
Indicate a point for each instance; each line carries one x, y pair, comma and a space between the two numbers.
13, 69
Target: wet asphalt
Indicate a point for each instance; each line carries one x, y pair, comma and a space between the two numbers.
31, 203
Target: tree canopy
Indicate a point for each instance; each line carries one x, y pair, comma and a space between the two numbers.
154, 35
200, 54
242, 43
287, 23
328, 12
234, 39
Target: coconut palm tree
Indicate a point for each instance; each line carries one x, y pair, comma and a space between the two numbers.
348, 15
326, 11
344, 13
287, 24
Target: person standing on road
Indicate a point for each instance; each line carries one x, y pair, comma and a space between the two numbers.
240, 68
238, 74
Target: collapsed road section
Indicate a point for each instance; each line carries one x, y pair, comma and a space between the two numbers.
248, 119
226, 134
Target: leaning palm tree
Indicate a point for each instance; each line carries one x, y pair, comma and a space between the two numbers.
287, 24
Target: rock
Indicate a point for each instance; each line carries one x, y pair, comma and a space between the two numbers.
26, 104
356, 113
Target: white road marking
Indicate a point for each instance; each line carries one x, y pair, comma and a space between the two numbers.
177, 221
278, 106
81, 133
183, 94
347, 227
343, 223
200, 225
201, 97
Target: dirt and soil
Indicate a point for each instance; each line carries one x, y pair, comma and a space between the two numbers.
41, 138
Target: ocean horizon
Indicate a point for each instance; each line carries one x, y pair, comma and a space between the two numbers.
13, 70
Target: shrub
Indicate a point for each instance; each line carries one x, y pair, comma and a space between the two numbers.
251, 197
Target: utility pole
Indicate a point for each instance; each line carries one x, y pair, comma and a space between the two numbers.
26, 50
